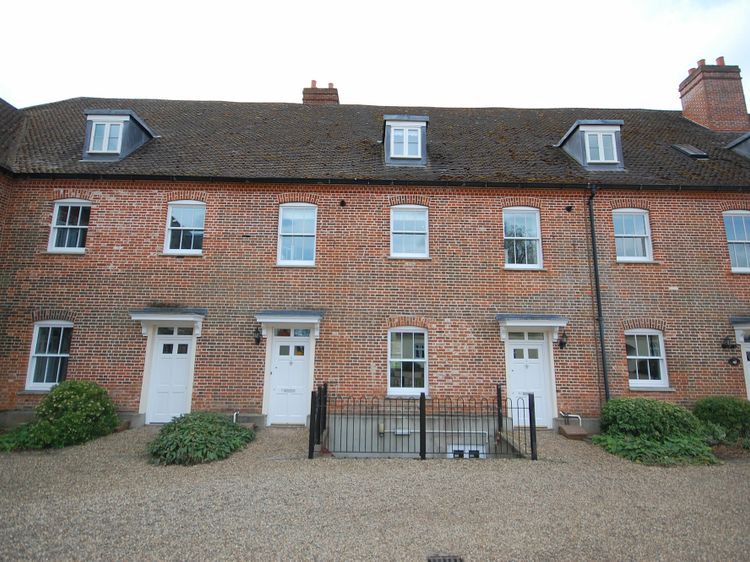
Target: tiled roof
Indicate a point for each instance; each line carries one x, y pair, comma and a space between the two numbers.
343, 143
10, 130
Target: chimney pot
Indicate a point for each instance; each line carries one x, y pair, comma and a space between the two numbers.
330, 85
314, 84
712, 96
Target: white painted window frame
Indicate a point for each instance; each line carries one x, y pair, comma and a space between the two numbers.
169, 228
538, 239
297, 263
394, 210
600, 132
107, 121
400, 391
726, 234
649, 385
54, 227
649, 257
30, 384
405, 126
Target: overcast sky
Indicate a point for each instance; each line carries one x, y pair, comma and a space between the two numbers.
564, 53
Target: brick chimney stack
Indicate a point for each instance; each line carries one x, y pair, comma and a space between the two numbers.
320, 96
712, 96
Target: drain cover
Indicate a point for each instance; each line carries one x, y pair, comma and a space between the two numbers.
449, 558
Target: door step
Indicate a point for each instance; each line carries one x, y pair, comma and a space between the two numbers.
573, 432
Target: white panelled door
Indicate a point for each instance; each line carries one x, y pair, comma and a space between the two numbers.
289, 399
528, 371
170, 378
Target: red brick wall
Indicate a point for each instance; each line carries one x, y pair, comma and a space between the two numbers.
456, 293
689, 293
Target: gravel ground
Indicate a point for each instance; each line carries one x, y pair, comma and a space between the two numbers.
103, 500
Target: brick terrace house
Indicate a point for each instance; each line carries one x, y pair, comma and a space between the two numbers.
228, 256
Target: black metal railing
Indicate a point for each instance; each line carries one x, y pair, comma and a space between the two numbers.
422, 427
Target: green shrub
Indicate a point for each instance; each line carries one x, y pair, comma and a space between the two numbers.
648, 417
650, 431
667, 451
730, 412
73, 412
713, 433
198, 437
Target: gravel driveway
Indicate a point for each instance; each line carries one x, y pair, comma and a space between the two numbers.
104, 501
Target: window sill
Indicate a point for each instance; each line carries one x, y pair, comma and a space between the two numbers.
509, 268
63, 252
32, 392
170, 255
404, 396
303, 265
418, 258
652, 389
741, 271
637, 262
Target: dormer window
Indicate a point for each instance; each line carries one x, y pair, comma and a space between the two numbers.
106, 136
112, 134
595, 144
600, 146
405, 140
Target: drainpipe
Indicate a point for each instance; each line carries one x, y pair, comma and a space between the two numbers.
598, 289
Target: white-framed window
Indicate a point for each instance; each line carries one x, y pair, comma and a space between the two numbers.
737, 226
632, 235
70, 224
406, 141
523, 239
409, 231
647, 365
297, 226
601, 145
407, 361
106, 134
185, 228
50, 351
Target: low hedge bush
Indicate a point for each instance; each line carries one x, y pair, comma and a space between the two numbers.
198, 437
72, 413
648, 417
654, 432
730, 412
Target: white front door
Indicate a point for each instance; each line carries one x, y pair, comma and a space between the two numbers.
169, 378
528, 371
289, 399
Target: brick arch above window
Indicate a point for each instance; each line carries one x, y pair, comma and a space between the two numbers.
408, 199
51, 314
520, 201
414, 321
73, 193
311, 198
185, 195
644, 324
629, 203
734, 206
